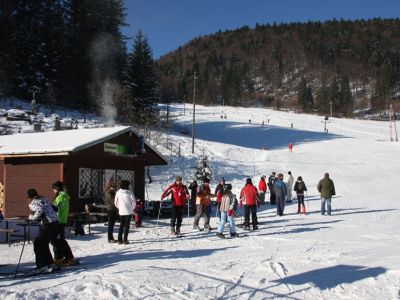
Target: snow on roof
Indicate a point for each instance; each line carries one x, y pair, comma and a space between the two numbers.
57, 141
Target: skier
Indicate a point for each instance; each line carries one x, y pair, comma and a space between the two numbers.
327, 190
193, 193
290, 147
227, 207
202, 205
62, 251
271, 180
280, 192
262, 189
180, 194
289, 186
219, 192
249, 195
42, 211
112, 211
300, 188
125, 202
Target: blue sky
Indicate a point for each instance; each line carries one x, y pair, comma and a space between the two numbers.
169, 24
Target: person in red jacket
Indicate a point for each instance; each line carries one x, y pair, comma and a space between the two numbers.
249, 196
180, 194
262, 189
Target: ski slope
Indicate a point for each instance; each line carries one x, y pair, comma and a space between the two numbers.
352, 254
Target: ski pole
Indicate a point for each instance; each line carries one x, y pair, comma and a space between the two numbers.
22, 251
308, 204
159, 211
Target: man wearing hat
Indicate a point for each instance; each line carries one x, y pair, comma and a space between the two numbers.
62, 251
180, 195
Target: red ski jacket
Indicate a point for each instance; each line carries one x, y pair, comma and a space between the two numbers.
249, 194
179, 194
262, 186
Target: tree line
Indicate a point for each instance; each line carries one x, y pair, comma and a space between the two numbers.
351, 64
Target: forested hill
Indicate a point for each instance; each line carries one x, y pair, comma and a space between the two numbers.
354, 64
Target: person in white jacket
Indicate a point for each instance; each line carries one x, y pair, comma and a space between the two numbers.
289, 186
125, 202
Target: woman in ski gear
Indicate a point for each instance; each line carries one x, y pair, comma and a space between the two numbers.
112, 211
62, 251
300, 188
43, 212
327, 190
226, 208
219, 192
280, 192
203, 200
262, 189
180, 195
125, 202
249, 197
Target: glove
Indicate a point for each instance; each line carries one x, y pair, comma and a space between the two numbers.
230, 212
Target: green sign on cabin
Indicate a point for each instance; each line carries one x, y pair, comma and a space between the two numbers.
118, 149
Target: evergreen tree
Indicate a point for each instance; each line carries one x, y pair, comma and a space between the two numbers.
203, 170
142, 80
304, 95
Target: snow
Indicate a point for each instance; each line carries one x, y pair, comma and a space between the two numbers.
352, 254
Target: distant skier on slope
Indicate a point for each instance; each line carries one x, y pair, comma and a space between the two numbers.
180, 195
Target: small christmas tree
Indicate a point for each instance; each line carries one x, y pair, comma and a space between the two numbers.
203, 170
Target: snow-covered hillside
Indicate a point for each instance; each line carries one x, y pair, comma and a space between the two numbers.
352, 254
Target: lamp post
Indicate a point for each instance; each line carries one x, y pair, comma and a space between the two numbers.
194, 109
330, 103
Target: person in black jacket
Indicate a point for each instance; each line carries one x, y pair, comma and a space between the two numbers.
271, 181
300, 188
112, 211
193, 193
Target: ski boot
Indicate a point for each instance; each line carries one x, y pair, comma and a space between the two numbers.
220, 235
234, 234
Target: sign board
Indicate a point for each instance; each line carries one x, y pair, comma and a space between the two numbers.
118, 149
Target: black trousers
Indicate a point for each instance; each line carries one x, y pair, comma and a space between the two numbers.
253, 210
47, 232
61, 247
176, 216
112, 216
272, 198
124, 227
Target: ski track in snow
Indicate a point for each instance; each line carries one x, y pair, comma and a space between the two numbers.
352, 254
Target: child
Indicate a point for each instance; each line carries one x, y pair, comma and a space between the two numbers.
226, 208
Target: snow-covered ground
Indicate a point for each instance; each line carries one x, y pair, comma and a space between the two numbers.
353, 254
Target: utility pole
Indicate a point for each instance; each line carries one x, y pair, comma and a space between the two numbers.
194, 109
392, 125
330, 103
184, 102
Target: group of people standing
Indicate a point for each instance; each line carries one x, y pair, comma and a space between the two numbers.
250, 198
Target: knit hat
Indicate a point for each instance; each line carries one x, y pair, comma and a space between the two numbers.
248, 181
206, 180
228, 186
178, 178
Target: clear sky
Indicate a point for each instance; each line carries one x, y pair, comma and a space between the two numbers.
169, 24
